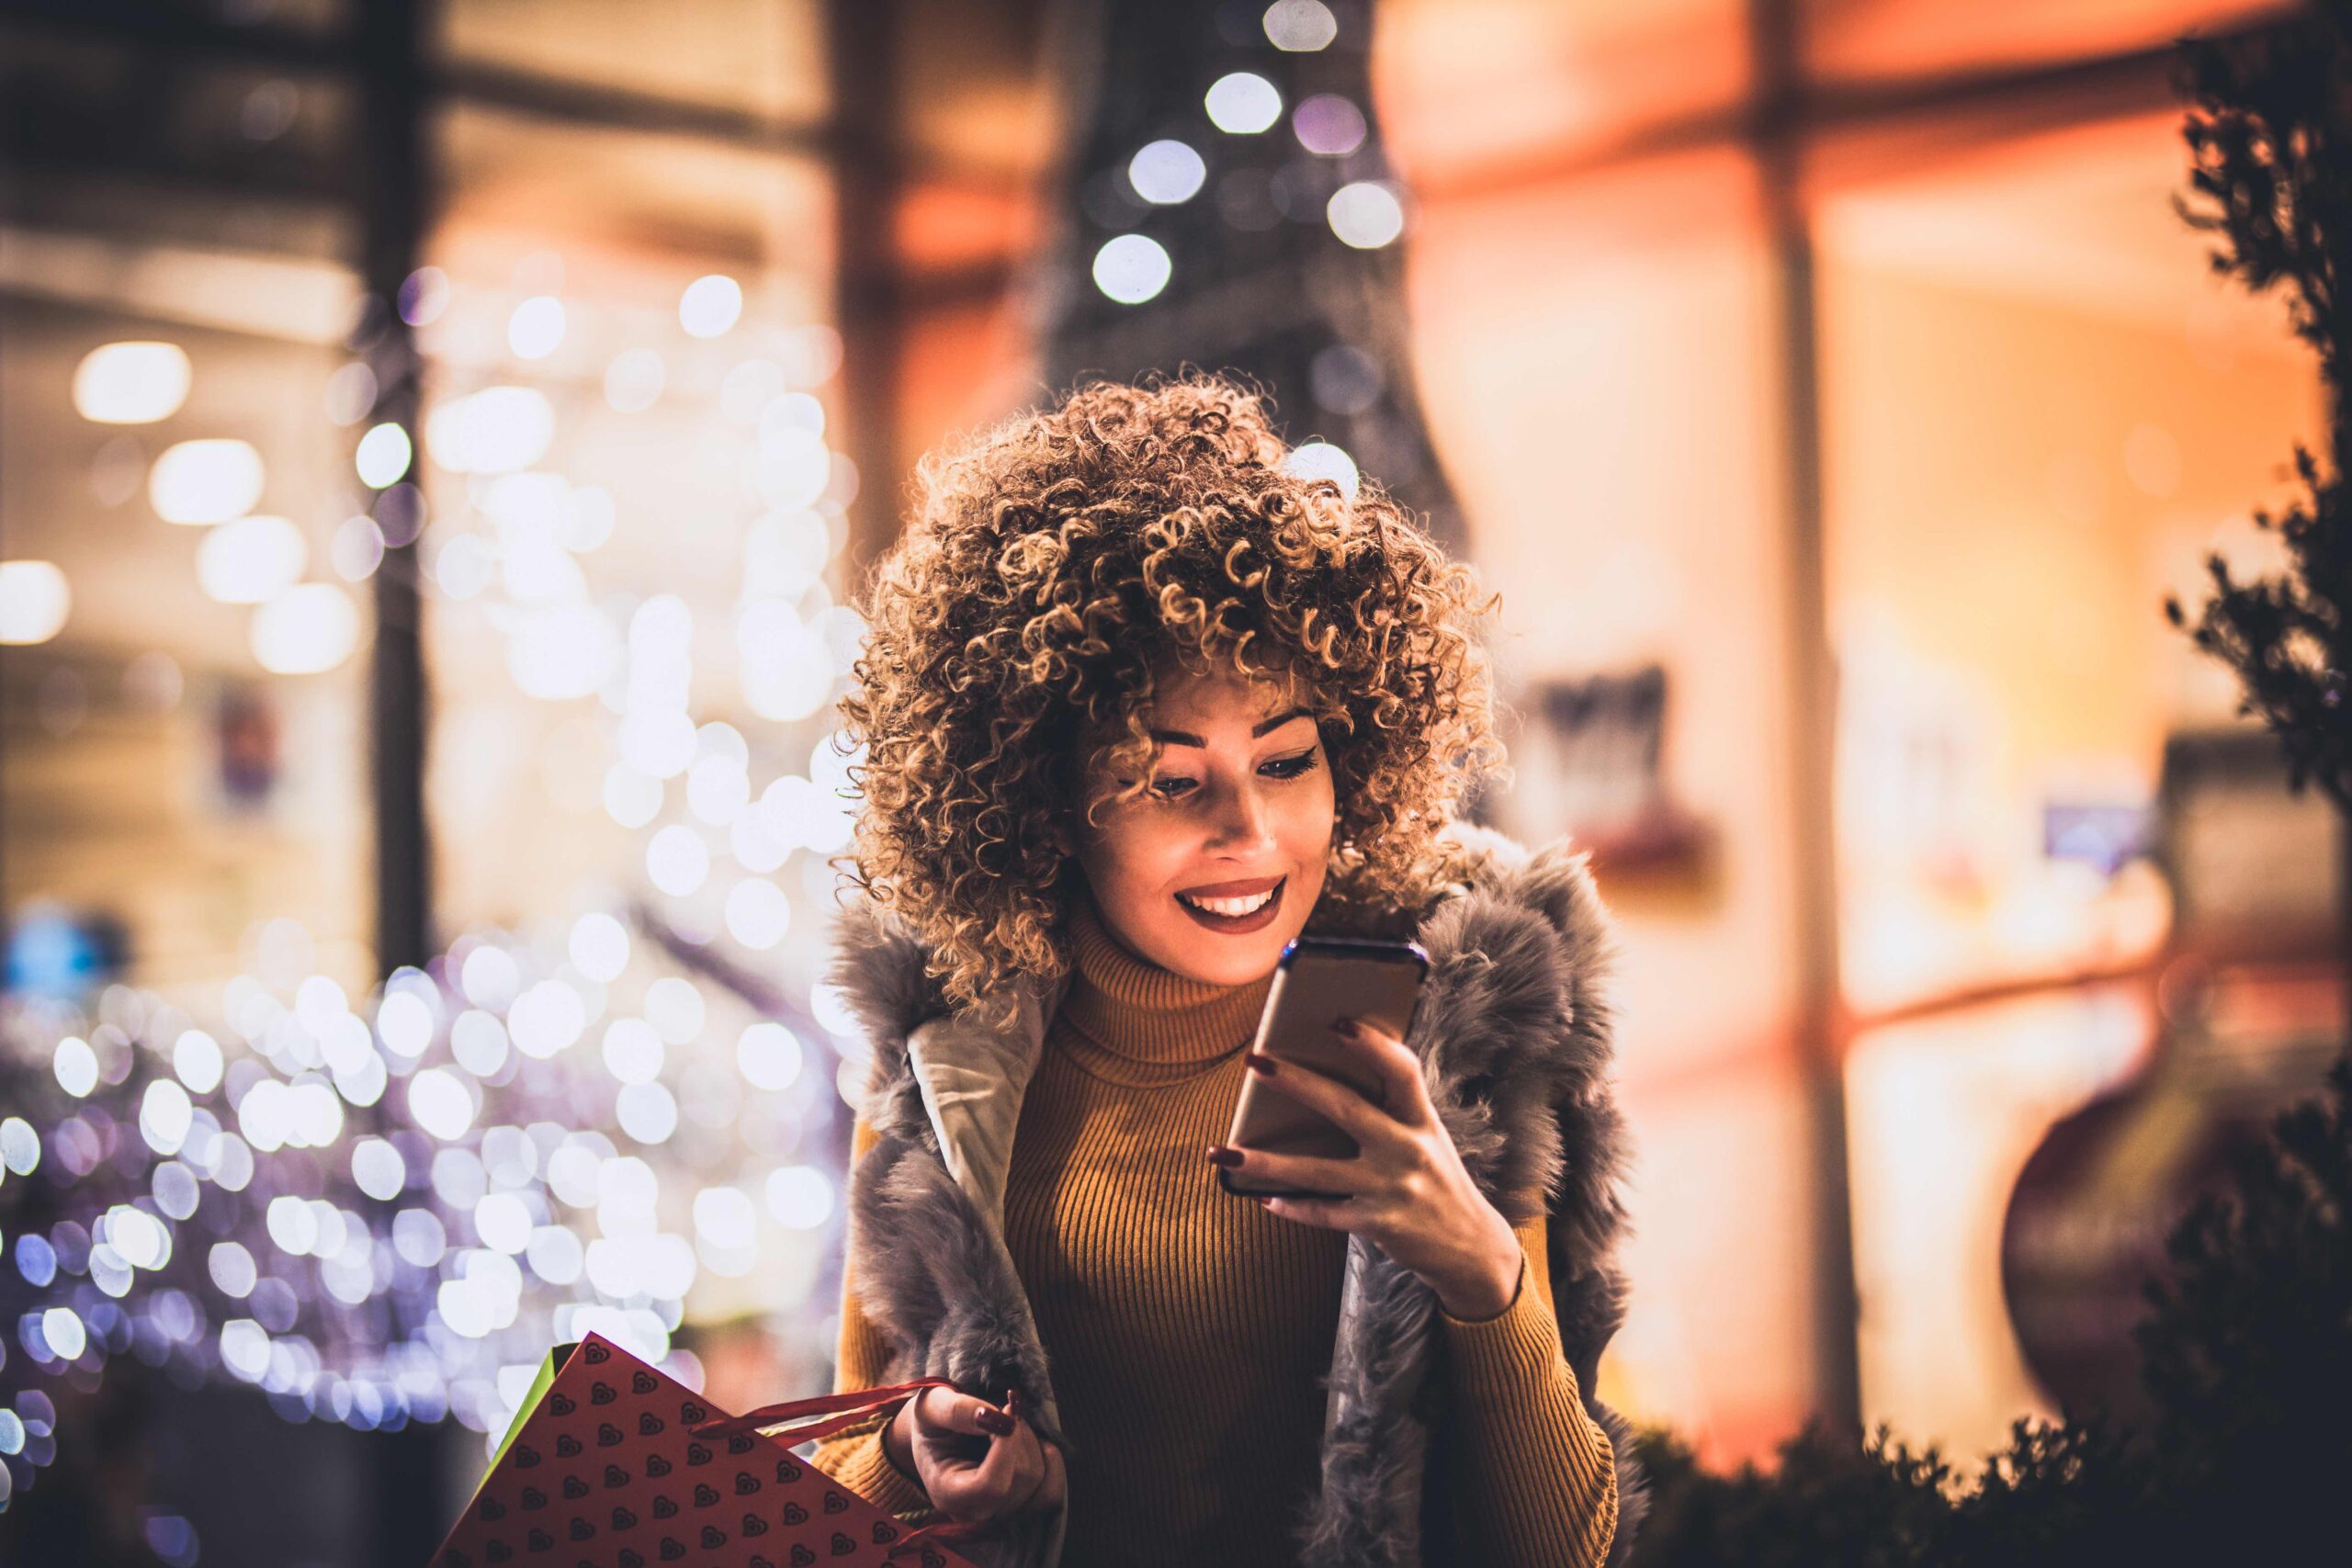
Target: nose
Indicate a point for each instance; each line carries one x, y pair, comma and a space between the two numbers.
1243, 824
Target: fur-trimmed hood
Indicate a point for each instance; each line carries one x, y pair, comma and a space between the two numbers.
1513, 1031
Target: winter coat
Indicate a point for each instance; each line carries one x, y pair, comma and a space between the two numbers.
1513, 1032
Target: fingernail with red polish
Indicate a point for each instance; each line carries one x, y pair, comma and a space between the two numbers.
995, 1421
1259, 1063
1223, 1156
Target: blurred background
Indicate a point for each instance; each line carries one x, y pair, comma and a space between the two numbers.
439, 440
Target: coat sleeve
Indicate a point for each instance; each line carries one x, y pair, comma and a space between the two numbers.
1531, 1472
856, 1457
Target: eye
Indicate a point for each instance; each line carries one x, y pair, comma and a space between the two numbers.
1292, 767
1169, 788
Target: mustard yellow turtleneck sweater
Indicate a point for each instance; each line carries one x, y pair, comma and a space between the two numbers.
1187, 1329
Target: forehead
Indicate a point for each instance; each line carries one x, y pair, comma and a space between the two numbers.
1185, 699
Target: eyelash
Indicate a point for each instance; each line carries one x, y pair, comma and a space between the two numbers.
1302, 765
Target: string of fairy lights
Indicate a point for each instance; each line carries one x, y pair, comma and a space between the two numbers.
380, 1210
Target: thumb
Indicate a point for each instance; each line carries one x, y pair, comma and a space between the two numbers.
951, 1410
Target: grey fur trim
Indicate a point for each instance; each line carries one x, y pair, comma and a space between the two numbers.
1514, 1035
1376, 1435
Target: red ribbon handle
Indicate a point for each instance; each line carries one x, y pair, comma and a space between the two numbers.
843, 1411
852, 1404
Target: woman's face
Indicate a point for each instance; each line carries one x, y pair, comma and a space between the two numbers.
1219, 862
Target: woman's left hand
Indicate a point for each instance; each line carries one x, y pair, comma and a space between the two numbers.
1405, 1189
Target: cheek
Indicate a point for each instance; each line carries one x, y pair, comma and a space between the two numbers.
1309, 821
1129, 852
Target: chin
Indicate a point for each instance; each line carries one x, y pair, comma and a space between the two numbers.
1239, 967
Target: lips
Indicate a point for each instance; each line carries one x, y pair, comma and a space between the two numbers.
1248, 889
1245, 919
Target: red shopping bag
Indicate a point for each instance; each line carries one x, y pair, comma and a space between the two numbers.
617, 1465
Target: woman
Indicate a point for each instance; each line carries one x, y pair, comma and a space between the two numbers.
1141, 704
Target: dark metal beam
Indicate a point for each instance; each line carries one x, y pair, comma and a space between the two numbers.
870, 290
1811, 703
395, 201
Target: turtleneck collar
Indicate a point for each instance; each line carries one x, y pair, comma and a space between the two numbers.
1132, 1009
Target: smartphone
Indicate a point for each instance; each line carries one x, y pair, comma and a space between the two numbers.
1319, 981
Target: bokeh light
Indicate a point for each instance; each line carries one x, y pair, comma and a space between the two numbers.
424, 295
758, 913
768, 1056
378, 1170
404, 1023
1321, 460
633, 1051
384, 457
675, 1008
131, 383
61, 1330
251, 559
633, 382
676, 860
76, 1066
536, 329
1167, 171
439, 1102
1243, 104
1300, 26
800, 1197
498, 430
310, 628
489, 976
205, 482
1366, 214
711, 306
351, 394
1132, 269
599, 947
35, 600
1328, 124
561, 652
647, 1112
163, 1115
196, 1057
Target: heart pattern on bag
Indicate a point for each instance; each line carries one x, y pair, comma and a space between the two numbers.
607, 1464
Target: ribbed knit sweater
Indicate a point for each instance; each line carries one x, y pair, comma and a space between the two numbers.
1187, 1329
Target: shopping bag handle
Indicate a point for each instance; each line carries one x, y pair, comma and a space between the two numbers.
843, 1411
846, 1408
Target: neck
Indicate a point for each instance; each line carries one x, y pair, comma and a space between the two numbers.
1132, 1007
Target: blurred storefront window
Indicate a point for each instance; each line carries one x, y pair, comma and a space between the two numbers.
184, 752
2085, 412
1976, 409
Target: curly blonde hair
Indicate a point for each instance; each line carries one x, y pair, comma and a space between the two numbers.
1053, 567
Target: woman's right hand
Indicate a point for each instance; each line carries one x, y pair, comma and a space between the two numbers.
976, 1461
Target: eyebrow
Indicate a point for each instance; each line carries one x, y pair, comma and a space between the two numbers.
1264, 726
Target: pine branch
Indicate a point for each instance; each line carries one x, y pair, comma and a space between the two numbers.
2270, 132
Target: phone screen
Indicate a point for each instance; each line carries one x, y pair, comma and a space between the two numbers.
1320, 980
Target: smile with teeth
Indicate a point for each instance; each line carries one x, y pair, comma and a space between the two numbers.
1232, 909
